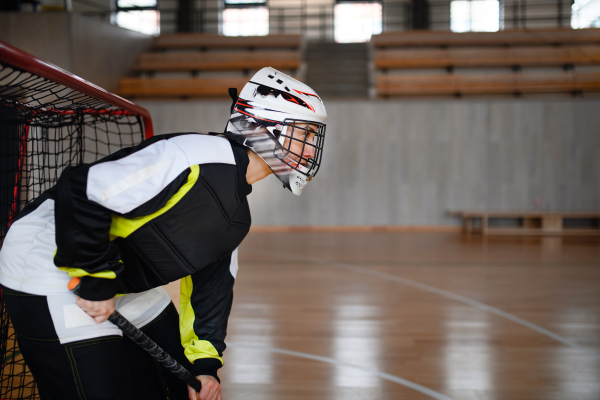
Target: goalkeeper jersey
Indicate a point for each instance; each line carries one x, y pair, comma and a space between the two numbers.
172, 207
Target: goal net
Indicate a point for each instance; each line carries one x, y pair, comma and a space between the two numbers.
49, 120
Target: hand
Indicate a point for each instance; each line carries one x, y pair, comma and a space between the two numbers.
99, 310
211, 390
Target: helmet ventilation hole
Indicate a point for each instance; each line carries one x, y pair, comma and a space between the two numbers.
264, 90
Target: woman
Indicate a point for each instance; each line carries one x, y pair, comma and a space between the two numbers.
173, 207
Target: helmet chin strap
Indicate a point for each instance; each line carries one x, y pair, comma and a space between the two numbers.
233, 93
298, 179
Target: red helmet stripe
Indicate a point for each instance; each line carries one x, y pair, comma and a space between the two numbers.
297, 100
245, 105
308, 94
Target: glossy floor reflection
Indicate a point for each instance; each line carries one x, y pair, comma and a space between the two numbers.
380, 316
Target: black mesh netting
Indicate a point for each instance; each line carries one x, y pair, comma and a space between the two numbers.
45, 127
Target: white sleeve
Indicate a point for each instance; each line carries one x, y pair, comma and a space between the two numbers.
124, 184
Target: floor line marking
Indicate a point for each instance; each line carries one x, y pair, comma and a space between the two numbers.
332, 361
441, 292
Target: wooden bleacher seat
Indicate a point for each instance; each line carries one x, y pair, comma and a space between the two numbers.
502, 38
411, 85
179, 88
482, 57
221, 61
198, 53
205, 41
531, 222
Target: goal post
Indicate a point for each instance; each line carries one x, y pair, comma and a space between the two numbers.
49, 119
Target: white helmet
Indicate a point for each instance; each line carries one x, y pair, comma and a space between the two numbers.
281, 120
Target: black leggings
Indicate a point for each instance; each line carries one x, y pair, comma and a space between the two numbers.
107, 368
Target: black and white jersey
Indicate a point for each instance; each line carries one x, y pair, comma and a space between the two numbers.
173, 207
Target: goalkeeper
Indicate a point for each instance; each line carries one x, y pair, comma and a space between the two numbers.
174, 207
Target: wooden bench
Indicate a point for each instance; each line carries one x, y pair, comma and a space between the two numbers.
530, 223
502, 38
481, 57
221, 61
411, 85
206, 41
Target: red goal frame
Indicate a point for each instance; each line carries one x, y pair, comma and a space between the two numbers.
23, 61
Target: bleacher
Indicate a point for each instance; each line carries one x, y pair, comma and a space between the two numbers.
409, 64
202, 65
487, 63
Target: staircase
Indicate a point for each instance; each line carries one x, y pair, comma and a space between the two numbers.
338, 69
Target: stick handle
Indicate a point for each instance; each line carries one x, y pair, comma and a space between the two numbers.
154, 350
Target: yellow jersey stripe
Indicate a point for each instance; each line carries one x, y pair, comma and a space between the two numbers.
123, 227
78, 272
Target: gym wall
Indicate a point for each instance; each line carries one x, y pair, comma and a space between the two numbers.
407, 162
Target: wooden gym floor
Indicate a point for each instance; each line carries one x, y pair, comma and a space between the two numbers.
414, 316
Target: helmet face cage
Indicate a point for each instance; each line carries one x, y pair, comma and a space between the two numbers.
301, 139
288, 144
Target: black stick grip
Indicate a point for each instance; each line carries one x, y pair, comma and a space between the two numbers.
154, 350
